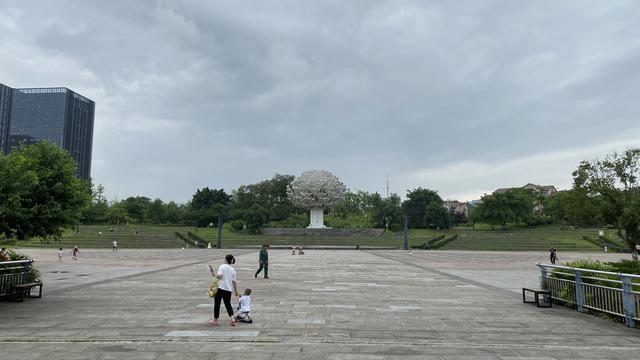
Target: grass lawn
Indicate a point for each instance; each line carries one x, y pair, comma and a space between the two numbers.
483, 238
538, 238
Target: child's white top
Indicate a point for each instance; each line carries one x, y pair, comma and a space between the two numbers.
228, 275
59, 252
244, 304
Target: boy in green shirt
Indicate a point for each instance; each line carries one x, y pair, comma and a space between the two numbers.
263, 261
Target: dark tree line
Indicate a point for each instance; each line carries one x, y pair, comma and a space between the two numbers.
252, 206
515, 206
40, 196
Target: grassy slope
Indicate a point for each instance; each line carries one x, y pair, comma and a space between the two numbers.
89, 237
484, 238
538, 238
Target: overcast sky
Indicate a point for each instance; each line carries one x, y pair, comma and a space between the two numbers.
458, 96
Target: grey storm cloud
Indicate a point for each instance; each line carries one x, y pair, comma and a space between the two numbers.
459, 96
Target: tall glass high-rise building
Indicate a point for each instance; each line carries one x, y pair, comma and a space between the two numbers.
5, 116
57, 115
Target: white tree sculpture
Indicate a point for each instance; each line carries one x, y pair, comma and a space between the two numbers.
316, 190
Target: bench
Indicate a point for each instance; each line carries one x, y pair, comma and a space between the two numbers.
19, 291
546, 297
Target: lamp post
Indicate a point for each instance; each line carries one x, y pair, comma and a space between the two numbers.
406, 230
219, 231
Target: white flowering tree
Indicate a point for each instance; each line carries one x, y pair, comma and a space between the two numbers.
316, 190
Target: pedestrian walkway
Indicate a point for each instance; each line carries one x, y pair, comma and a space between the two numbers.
321, 305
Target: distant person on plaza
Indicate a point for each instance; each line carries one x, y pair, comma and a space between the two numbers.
4, 255
75, 252
244, 307
114, 246
227, 275
209, 245
553, 256
293, 250
300, 250
60, 253
263, 261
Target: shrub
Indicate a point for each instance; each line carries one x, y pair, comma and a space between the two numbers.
589, 264
395, 227
298, 220
434, 240
195, 237
622, 266
184, 238
237, 225
442, 243
567, 293
197, 240
626, 266
255, 218
294, 221
34, 274
429, 244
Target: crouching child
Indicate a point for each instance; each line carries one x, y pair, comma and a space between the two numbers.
244, 307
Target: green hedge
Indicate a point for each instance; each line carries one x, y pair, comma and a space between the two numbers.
443, 243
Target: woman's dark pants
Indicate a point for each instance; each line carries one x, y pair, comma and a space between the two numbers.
222, 295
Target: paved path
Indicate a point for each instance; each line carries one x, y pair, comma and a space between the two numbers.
151, 304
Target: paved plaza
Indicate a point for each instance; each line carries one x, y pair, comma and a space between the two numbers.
326, 304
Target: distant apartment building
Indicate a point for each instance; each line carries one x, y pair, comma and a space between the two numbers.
457, 207
57, 115
546, 190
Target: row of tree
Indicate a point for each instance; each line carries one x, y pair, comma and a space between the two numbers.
40, 195
252, 206
515, 206
605, 193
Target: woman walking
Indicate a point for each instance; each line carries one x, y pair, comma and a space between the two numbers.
227, 275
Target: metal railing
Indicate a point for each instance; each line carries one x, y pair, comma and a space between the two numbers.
616, 294
12, 273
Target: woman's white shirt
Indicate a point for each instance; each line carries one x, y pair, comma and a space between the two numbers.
228, 275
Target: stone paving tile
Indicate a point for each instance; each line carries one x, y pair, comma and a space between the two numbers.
471, 357
372, 305
356, 357
525, 358
185, 356
415, 357
130, 355
256, 356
